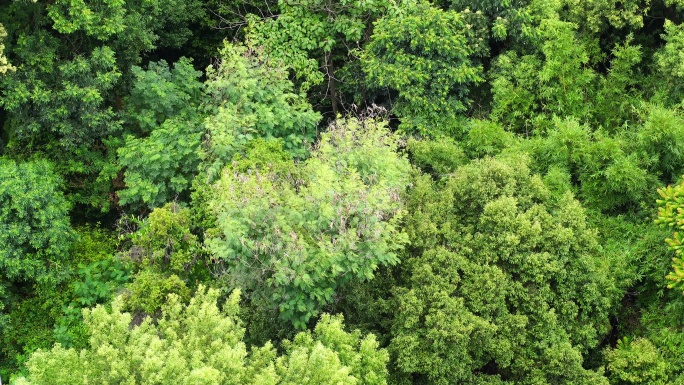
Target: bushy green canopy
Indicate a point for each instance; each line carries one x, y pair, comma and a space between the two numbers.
294, 233
35, 232
508, 284
422, 52
199, 344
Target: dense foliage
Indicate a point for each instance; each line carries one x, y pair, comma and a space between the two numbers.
486, 192
505, 279
199, 344
303, 230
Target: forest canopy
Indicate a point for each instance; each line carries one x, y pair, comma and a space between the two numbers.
342, 192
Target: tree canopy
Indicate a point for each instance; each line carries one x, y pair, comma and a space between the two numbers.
199, 344
372, 191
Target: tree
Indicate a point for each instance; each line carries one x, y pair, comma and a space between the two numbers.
160, 168
501, 21
58, 107
595, 17
671, 214
610, 172
166, 256
670, 64
291, 234
618, 94
162, 92
423, 53
515, 91
564, 74
199, 344
131, 27
64, 100
668, 58
636, 362
73, 64
251, 97
164, 240
5, 66
661, 137
35, 235
36, 232
98, 275
164, 108
507, 284
315, 38
528, 90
